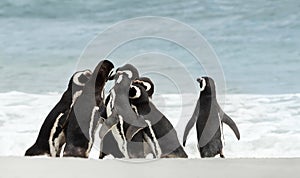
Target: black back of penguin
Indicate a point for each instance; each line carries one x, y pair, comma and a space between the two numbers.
49, 128
86, 113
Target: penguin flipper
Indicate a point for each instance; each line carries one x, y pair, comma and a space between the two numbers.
227, 120
107, 125
135, 127
191, 122
132, 131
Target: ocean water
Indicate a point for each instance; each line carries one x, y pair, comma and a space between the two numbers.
256, 41
257, 44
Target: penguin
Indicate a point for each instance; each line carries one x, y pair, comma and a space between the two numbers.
119, 131
87, 112
139, 96
160, 133
209, 119
51, 136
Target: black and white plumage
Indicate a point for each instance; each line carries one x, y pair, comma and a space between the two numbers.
51, 136
86, 113
209, 119
160, 133
118, 133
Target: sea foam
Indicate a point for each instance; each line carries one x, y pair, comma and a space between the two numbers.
269, 124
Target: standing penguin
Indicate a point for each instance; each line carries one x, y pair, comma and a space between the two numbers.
86, 112
160, 133
121, 119
209, 118
51, 136
109, 144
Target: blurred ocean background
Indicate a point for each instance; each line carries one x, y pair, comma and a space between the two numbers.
257, 43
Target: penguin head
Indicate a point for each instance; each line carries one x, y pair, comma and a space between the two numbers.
147, 84
78, 80
104, 70
81, 77
138, 94
129, 70
207, 86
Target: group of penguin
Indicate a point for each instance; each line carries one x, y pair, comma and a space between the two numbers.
130, 124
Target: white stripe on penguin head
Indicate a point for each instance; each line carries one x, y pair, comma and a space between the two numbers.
146, 84
76, 79
202, 80
137, 94
128, 72
120, 78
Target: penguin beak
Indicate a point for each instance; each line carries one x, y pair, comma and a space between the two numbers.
111, 75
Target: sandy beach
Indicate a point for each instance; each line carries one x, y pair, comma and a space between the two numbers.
75, 167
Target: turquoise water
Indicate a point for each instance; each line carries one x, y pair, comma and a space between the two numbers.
257, 41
